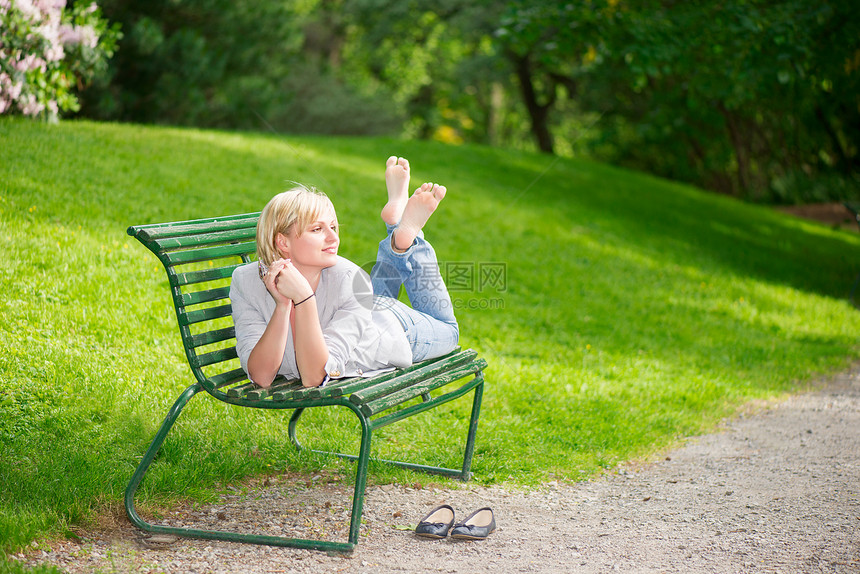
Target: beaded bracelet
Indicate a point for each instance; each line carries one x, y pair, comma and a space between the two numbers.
303, 300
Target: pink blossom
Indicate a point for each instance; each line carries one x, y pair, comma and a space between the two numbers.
89, 38
9, 88
69, 35
30, 106
73, 35
55, 52
30, 62
8, 92
28, 9
48, 6
42, 45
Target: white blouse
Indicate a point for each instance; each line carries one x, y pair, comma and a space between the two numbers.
362, 335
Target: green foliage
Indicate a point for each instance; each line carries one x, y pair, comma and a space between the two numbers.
633, 312
233, 64
12, 566
738, 96
740, 91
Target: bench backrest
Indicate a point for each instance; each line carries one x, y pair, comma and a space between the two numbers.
199, 257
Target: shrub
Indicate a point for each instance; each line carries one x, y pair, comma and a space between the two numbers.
48, 52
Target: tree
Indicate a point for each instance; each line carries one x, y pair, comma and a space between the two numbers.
754, 98
552, 47
743, 92
434, 58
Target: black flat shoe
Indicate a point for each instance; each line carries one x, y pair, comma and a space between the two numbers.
476, 526
437, 523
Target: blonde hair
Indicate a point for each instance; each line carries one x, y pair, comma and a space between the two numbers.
300, 206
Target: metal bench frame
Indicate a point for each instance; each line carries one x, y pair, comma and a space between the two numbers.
199, 257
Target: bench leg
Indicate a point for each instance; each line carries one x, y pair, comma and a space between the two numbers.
360, 480
136, 479
473, 429
363, 459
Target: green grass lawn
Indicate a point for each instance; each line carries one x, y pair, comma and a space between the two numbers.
631, 312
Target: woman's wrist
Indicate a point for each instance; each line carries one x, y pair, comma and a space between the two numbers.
298, 302
283, 306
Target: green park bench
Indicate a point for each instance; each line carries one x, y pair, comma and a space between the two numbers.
199, 257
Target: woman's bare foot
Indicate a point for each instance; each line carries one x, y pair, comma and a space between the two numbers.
418, 210
397, 182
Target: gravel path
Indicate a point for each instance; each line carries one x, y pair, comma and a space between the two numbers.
776, 491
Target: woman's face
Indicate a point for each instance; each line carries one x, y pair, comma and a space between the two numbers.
316, 245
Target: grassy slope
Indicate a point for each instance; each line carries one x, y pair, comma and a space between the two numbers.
634, 311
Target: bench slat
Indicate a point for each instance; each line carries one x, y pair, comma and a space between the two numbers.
386, 402
204, 296
335, 388
298, 392
228, 378
240, 390
213, 357
191, 277
403, 380
250, 390
294, 391
282, 385
415, 408
160, 230
187, 318
340, 387
214, 336
244, 234
209, 253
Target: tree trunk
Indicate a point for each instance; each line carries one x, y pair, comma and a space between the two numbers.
495, 113
538, 113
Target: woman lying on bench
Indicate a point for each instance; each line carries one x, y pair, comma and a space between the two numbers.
304, 312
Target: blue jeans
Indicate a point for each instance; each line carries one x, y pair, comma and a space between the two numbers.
430, 325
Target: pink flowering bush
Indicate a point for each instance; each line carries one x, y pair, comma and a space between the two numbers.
48, 51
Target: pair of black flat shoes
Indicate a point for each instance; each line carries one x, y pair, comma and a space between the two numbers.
440, 520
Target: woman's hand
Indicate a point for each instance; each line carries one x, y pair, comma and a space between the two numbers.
286, 283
